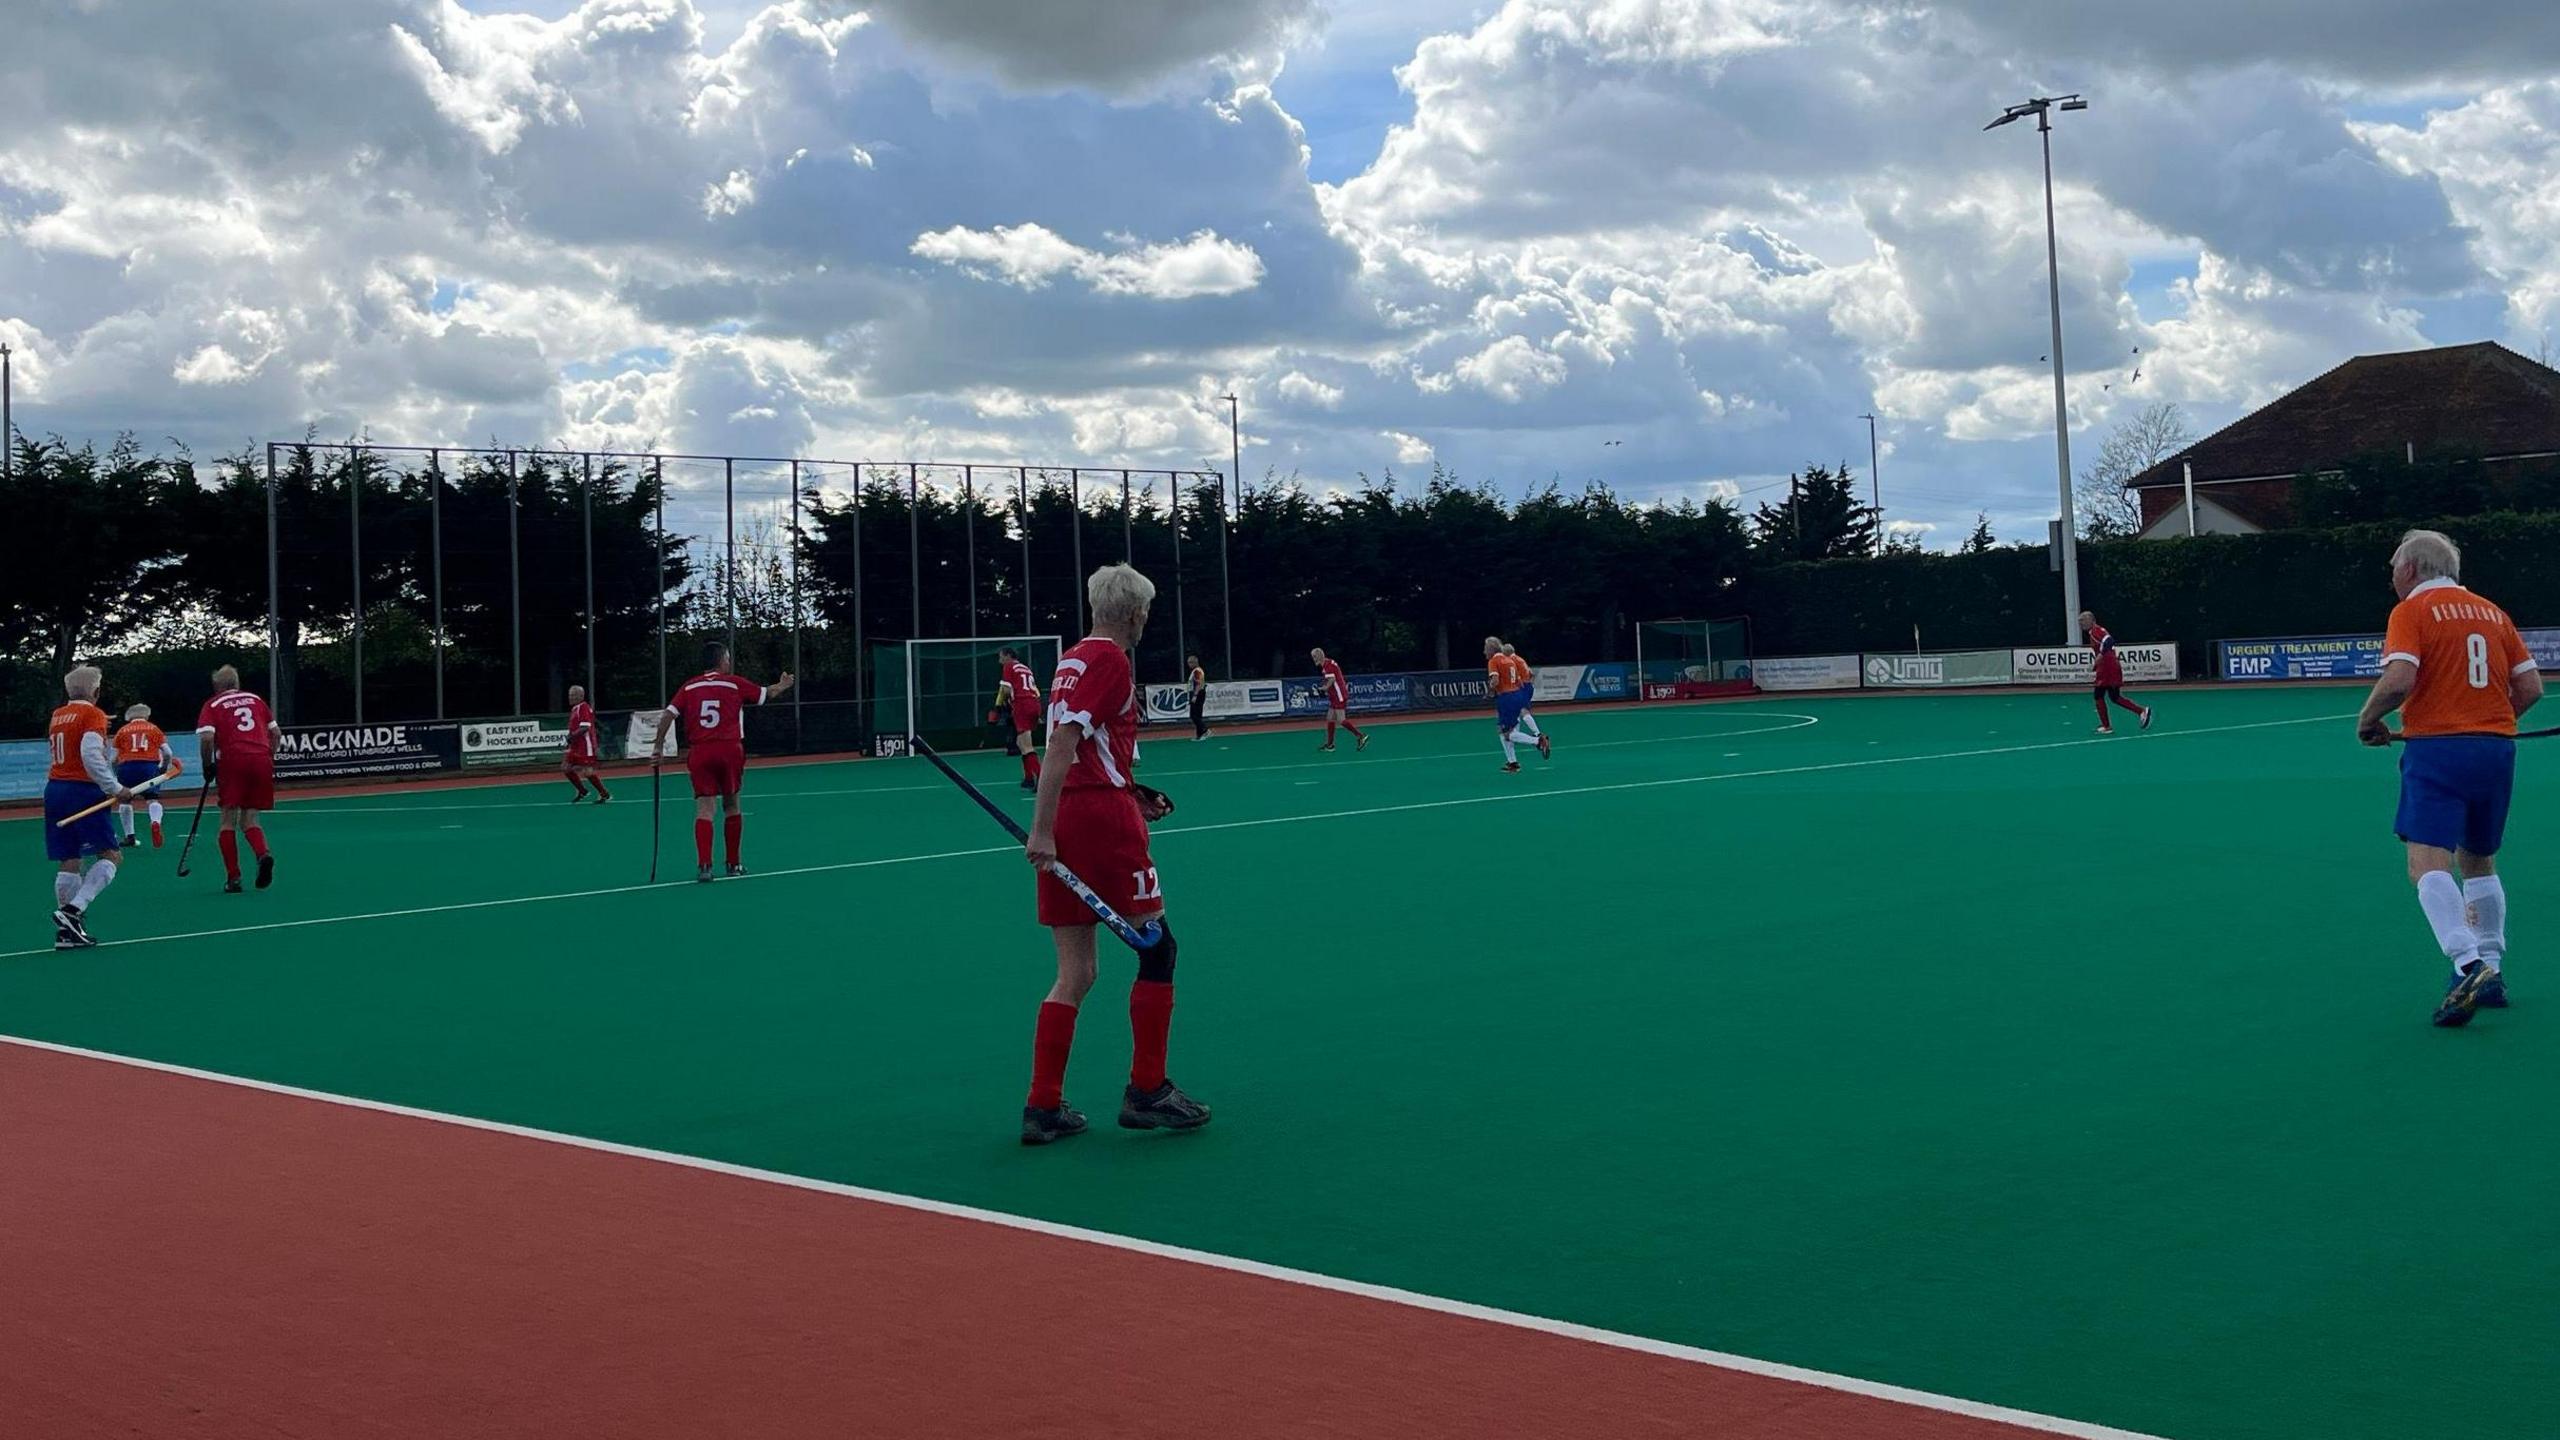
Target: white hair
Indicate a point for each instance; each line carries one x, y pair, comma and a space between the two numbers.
1118, 592
1508, 648
82, 682
2429, 554
138, 712
226, 677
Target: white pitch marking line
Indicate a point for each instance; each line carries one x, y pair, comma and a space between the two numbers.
844, 865
1412, 1299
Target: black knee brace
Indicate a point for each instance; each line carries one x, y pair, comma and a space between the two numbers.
1156, 961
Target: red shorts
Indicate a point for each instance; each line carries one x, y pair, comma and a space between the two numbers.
717, 769
1103, 839
576, 761
2110, 672
1026, 718
246, 782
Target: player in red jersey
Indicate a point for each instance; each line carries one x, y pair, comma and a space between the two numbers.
1022, 697
142, 755
1337, 700
82, 770
238, 737
1092, 817
586, 748
713, 706
2110, 675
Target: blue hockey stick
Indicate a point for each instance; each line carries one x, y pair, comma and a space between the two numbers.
1136, 937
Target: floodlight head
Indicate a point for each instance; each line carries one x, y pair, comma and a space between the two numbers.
2014, 113
2075, 103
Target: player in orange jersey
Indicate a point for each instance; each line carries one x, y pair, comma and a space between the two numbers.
142, 756
2459, 674
1506, 678
82, 770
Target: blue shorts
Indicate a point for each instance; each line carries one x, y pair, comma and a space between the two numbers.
80, 837
2454, 791
130, 773
1507, 709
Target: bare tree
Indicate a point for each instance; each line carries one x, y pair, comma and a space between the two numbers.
2107, 510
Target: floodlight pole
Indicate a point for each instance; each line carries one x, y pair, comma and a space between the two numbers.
2042, 108
1235, 468
1875, 485
8, 425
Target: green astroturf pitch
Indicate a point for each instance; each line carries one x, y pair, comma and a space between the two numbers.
1928, 1040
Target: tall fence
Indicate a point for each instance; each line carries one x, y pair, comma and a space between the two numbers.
408, 581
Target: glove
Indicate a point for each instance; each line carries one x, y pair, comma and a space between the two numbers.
1153, 804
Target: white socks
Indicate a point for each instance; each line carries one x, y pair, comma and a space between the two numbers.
2440, 895
2488, 905
66, 883
156, 814
124, 819
1528, 727
1510, 756
101, 875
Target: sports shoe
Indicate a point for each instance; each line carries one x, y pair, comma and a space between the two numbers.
1510, 767
1546, 748
575, 798
231, 886
2106, 729
156, 839
2462, 995
1042, 1127
1164, 1108
1030, 786
132, 842
702, 876
2146, 717
2493, 991
266, 871
1325, 749
65, 940
1363, 745
602, 797
737, 871
67, 921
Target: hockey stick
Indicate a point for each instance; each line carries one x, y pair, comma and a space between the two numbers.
2397, 737
204, 792
112, 801
1136, 937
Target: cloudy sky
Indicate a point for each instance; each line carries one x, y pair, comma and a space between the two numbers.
1502, 236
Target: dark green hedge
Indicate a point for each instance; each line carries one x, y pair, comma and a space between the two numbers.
2213, 587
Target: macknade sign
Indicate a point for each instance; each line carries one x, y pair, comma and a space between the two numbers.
332, 752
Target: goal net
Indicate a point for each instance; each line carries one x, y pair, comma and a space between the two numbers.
1690, 659
943, 689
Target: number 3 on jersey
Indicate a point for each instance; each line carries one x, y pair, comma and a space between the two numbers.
242, 719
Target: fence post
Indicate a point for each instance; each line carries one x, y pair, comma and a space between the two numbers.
587, 466
658, 475
915, 570
515, 591
861, 646
1128, 536
1181, 632
969, 525
798, 727
355, 578
435, 562
276, 685
729, 544
1075, 513
1022, 507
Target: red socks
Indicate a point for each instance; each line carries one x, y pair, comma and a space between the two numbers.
2102, 709
1354, 729
601, 792
1328, 732
1150, 1022
230, 844
257, 842
702, 843
1031, 766
581, 786
730, 829
1051, 1039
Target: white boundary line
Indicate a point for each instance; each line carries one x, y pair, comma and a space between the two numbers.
844, 865
1794, 722
1561, 1329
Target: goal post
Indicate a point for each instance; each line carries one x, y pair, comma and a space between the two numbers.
943, 689
1693, 659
